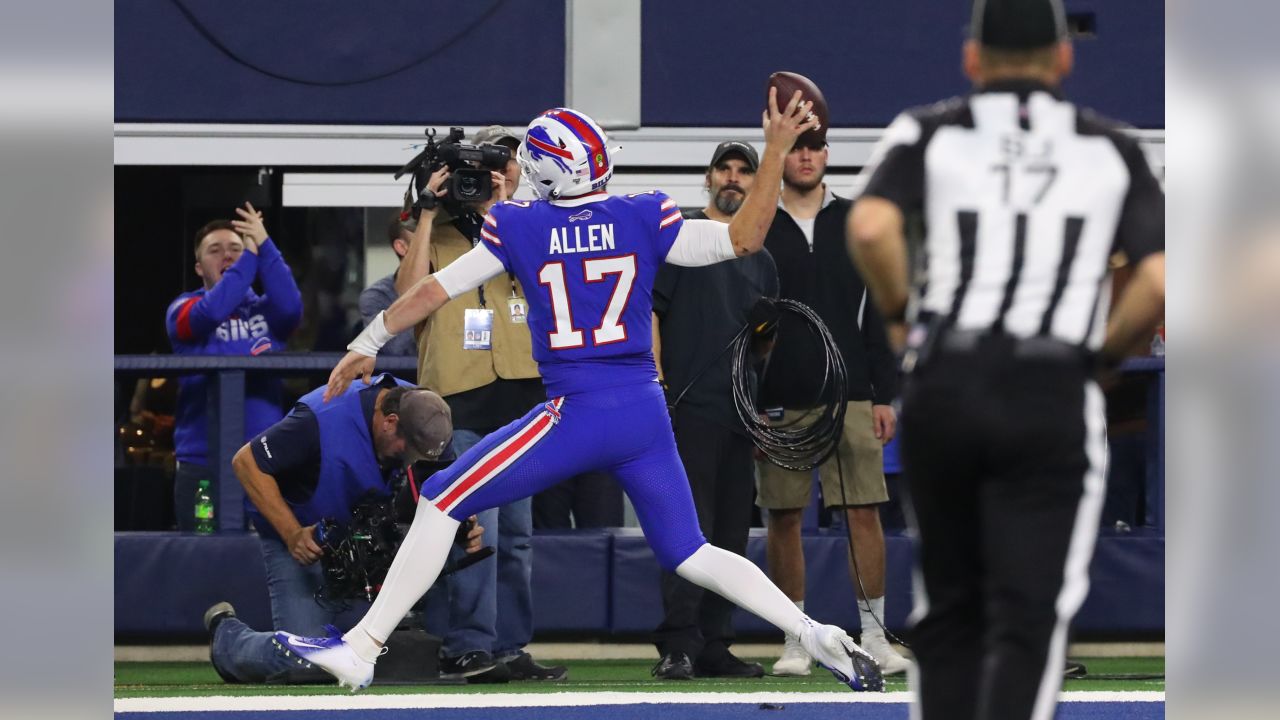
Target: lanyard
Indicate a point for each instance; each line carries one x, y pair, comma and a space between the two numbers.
469, 226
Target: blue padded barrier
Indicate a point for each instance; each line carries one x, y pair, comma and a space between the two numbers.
593, 582
164, 581
637, 598
1126, 590
571, 583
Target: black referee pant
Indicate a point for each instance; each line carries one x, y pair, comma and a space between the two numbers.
721, 474
1004, 451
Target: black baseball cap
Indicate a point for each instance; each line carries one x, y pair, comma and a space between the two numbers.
747, 152
1018, 24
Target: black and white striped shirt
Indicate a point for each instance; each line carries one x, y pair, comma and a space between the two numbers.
1024, 198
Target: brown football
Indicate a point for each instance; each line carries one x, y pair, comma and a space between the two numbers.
789, 82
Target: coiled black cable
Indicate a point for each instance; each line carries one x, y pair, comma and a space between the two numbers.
801, 444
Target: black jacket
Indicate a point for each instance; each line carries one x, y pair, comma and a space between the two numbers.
701, 309
824, 279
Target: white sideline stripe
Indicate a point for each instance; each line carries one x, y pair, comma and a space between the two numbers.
564, 699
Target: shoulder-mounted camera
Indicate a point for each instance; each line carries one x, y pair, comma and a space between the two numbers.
469, 164
358, 554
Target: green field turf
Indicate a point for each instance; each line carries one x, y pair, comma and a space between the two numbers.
198, 679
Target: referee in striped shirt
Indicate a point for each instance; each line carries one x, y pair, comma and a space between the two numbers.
1024, 197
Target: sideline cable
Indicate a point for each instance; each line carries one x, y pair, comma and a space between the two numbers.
793, 445
797, 446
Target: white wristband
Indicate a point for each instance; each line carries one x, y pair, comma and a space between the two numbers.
372, 338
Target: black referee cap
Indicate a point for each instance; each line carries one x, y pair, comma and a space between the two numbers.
1018, 24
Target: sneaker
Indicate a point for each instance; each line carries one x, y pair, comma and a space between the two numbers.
498, 674
330, 654
890, 662
726, 665
467, 665
795, 662
523, 667
673, 666
215, 615
834, 650
1073, 670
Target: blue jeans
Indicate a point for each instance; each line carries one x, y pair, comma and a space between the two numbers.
246, 655
490, 603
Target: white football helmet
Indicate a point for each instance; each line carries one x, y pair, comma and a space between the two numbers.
565, 154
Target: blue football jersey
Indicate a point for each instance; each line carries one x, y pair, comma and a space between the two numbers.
588, 269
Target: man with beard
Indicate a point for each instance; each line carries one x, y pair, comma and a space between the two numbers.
697, 312
807, 241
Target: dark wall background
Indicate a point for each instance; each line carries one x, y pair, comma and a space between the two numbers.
704, 63
472, 62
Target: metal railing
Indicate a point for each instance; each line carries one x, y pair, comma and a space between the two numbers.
226, 403
226, 411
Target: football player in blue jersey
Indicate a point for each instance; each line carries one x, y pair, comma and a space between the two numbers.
593, 256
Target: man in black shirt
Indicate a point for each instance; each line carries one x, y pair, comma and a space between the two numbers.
1025, 196
807, 242
697, 312
296, 473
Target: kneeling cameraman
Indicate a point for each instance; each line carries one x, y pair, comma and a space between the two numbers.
321, 462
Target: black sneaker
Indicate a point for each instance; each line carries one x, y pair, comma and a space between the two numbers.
1074, 670
524, 667
500, 673
673, 666
215, 615
466, 665
727, 665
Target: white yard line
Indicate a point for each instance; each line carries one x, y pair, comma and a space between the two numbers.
564, 699
613, 651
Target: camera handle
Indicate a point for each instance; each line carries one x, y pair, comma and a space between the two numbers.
418, 159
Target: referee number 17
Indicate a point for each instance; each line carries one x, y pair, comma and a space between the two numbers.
1040, 175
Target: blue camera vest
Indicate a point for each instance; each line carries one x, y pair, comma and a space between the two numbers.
348, 467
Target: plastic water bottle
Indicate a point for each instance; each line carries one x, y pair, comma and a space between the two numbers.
204, 509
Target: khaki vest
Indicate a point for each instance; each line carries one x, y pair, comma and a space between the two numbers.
443, 366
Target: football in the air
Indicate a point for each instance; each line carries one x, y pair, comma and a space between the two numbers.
789, 82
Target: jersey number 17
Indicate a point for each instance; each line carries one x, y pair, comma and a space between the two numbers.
594, 270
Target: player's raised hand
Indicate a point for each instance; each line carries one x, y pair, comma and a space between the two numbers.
782, 127
352, 366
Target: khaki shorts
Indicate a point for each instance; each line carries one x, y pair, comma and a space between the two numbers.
861, 462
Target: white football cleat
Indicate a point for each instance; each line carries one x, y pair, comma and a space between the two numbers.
795, 662
330, 654
890, 662
834, 650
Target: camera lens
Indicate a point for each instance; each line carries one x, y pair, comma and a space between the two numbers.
470, 185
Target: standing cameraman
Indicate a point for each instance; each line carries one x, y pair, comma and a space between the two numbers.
476, 352
319, 462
